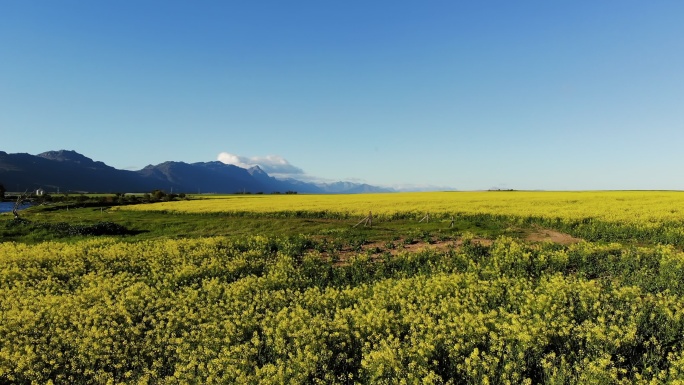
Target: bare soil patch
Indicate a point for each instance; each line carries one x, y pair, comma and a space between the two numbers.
546, 235
378, 249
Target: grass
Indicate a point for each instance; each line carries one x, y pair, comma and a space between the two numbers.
143, 225
641, 218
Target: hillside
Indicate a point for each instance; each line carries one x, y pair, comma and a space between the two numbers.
66, 171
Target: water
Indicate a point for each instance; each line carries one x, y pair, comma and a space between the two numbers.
6, 207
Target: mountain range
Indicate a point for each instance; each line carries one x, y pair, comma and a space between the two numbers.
69, 171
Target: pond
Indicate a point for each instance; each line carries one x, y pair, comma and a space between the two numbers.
6, 207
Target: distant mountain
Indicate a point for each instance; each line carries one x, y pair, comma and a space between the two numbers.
283, 185
202, 177
334, 188
351, 188
66, 171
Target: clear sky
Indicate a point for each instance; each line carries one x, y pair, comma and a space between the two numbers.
470, 95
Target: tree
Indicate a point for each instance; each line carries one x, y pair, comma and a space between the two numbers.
158, 195
18, 203
2, 192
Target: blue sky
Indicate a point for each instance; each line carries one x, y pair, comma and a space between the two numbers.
557, 95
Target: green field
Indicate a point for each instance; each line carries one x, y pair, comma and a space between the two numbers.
506, 287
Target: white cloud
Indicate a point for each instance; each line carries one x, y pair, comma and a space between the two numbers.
273, 165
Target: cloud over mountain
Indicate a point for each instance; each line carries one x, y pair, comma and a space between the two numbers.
272, 164
279, 168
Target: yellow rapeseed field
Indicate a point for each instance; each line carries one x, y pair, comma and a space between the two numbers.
283, 310
610, 206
